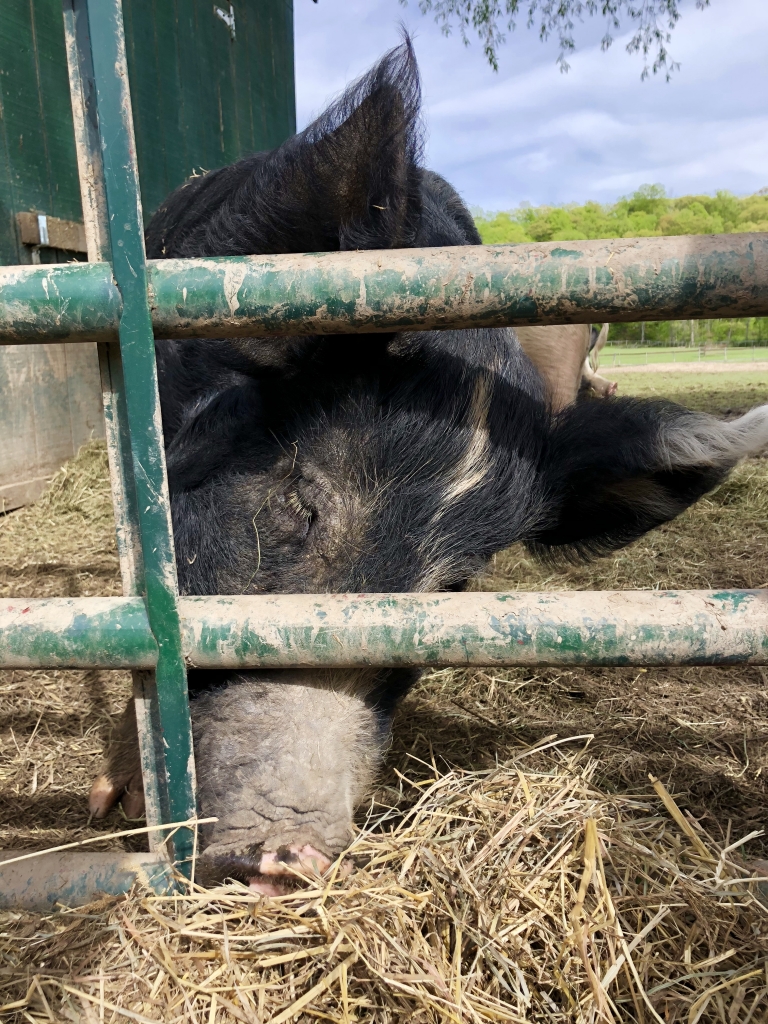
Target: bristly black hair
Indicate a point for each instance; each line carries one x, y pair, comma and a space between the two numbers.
350, 180
609, 479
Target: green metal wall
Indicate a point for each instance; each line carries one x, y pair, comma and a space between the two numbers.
200, 99
38, 170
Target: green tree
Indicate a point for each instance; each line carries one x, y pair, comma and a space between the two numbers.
645, 213
648, 211
651, 22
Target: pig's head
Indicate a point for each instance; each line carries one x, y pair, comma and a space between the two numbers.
366, 463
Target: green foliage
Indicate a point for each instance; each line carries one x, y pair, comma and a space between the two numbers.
651, 23
732, 333
647, 212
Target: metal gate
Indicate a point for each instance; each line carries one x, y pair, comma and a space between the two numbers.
121, 301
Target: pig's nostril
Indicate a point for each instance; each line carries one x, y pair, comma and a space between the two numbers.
291, 860
285, 869
270, 872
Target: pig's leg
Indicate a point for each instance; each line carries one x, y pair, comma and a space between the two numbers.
120, 778
594, 382
589, 375
558, 354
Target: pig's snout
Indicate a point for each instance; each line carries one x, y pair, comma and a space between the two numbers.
283, 760
270, 872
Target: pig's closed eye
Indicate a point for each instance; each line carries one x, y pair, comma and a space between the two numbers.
301, 508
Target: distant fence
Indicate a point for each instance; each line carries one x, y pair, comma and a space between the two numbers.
618, 354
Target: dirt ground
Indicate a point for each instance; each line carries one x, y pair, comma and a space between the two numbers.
751, 367
703, 732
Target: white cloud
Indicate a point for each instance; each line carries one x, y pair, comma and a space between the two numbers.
532, 133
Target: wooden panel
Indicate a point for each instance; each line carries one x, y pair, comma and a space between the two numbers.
60, 234
51, 406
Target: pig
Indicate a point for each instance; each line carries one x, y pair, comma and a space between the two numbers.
590, 378
566, 358
365, 463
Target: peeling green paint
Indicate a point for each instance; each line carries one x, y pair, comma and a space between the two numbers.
137, 350
71, 879
58, 302
349, 630
76, 632
612, 628
346, 292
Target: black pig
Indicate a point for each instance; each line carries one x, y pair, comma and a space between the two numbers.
374, 463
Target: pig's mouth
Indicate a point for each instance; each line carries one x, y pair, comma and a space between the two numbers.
272, 872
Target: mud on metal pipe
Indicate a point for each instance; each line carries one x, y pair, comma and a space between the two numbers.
610, 280
347, 630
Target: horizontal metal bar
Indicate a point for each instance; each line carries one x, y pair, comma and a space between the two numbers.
75, 878
58, 302
346, 630
696, 276
83, 632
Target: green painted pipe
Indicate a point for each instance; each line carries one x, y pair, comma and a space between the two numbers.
43, 882
343, 630
176, 767
81, 632
58, 302
613, 280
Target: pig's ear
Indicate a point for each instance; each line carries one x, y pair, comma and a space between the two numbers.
619, 467
352, 178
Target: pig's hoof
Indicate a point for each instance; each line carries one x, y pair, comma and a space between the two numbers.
105, 793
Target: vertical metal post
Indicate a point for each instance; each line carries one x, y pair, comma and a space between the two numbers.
91, 176
114, 231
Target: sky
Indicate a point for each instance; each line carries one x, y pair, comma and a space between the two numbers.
530, 133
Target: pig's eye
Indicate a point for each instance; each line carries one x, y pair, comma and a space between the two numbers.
295, 502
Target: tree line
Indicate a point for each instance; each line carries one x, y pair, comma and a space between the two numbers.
648, 212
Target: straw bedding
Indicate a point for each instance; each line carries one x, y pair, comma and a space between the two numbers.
551, 845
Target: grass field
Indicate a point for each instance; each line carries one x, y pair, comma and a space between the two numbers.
517, 862
726, 393
624, 355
